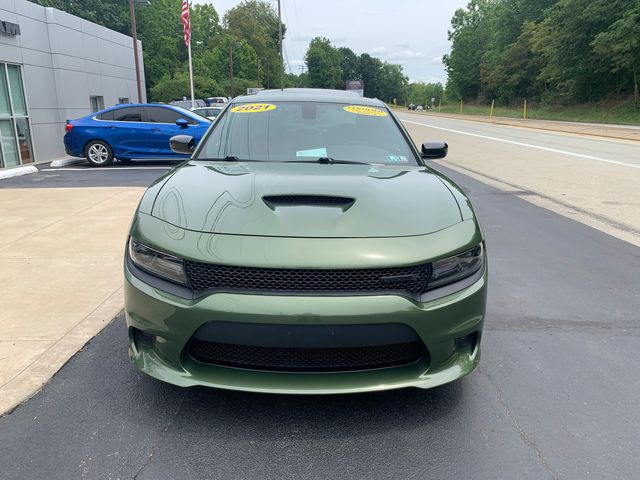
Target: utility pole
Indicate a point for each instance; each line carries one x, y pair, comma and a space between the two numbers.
268, 74
280, 36
134, 35
231, 68
231, 45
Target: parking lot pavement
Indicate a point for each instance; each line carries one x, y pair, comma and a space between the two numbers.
82, 175
556, 394
63, 236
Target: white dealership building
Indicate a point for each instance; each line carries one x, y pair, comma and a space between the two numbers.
53, 67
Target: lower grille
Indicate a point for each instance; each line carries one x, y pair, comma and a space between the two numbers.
306, 359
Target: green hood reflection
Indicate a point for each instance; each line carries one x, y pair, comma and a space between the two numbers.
222, 198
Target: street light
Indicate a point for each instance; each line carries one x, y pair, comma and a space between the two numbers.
132, 12
231, 45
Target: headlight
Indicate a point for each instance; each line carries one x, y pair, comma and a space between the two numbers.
157, 263
456, 268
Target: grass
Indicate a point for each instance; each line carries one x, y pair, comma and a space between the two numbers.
620, 112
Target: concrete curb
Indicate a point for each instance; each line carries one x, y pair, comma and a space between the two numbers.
63, 162
18, 171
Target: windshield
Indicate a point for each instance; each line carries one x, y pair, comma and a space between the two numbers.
307, 131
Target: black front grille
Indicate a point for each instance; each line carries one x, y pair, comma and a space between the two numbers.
398, 280
306, 359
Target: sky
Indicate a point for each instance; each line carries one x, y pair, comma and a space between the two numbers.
412, 33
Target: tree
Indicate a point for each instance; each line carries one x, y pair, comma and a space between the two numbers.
323, 62
421, 93
469, 36
349, 65
174, 87
161, 34
205, 28
113, 14
621, 44
245, 64
370, 68
257, 23
392, 83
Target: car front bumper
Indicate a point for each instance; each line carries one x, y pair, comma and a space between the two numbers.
174, 320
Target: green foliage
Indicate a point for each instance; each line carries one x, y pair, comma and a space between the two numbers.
324, 63
555, 51
469, 37
349, 65
621, 43
421, 93
176, 86
331, 67
251, 26
163, 46
257, 23
113, 14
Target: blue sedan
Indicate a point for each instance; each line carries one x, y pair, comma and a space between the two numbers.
131, 131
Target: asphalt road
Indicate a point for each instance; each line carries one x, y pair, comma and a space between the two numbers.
557, 393
591, 179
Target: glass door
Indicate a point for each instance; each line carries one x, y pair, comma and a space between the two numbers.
15, 132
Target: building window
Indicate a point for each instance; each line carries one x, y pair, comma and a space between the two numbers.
97, 103
123, 100
15, 132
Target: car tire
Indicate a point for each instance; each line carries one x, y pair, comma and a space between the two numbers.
98, 153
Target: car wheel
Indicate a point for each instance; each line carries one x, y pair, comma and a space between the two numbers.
99, 153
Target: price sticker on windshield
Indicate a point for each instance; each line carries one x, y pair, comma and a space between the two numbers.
362, 110
253, 108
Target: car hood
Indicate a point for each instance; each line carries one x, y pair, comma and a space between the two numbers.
372, 201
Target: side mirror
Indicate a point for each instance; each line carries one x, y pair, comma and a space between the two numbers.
182, 123
182, 144
434, 150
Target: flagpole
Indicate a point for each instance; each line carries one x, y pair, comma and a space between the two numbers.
193, 104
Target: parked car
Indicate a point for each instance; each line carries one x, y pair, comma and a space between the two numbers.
210, 112
186, 104
133, 131
420, 107
219, 101
307, 247
411, 107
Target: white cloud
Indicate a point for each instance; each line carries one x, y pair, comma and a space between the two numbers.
405, 55
378, 51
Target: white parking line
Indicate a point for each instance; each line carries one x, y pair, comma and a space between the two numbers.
89, 169
529, 145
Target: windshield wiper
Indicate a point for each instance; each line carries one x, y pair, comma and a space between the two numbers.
228, 158
330, 161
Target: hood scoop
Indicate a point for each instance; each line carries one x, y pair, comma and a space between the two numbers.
275, 201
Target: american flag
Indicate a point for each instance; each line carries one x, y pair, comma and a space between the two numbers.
185, 19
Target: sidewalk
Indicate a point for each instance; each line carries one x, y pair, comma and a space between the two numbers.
61, 274
623, 132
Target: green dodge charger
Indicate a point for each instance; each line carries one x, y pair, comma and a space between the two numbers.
306, 247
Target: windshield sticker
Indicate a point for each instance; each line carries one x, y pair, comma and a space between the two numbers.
362, 110
253, 108
397, 159
315, 152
